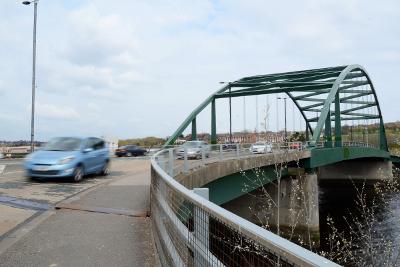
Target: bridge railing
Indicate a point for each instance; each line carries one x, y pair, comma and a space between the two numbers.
178, 159
189, 230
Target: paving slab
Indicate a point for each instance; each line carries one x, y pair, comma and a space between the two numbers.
10, 217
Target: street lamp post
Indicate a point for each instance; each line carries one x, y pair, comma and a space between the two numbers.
284, 99
35, 2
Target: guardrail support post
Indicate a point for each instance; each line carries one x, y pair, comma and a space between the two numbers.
203, 155
220, 152
171, 161
185, 160
201, 227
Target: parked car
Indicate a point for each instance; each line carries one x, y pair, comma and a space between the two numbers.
129, 151
1, 156
69, 157
193, 149
261, 147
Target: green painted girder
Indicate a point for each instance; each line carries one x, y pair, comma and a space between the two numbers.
262, 90
291, 74
326, 156
374, 117
358, 117
346, 111
355, 96
326, 82
235, 185
358, 102
353, 85
306, 108
313, 100
171, 140
320, 92
357, 91
364, 115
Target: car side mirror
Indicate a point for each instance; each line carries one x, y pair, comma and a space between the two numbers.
87, 150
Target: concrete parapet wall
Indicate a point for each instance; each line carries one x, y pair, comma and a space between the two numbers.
205, 174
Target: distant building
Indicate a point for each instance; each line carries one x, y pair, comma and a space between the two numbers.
111, 143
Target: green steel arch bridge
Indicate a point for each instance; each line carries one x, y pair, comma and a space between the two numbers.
328, 99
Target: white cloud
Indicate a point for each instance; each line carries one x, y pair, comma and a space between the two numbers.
55, 112
151, 63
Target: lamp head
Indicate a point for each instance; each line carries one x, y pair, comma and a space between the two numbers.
26, 3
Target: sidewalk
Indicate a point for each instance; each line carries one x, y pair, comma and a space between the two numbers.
105, 226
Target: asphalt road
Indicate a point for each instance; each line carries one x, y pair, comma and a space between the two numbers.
21, 198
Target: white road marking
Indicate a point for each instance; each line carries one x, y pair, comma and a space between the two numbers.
12, 172
2, 167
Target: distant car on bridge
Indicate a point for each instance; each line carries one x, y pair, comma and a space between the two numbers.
193, 149
261, 148
129, 151
69, 157
229, 145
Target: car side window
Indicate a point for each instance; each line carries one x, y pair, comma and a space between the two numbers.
90, 143
98, 144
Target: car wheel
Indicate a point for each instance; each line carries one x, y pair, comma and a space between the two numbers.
129, 154
106, 169
78, 174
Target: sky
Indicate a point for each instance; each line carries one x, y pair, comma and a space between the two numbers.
138, 68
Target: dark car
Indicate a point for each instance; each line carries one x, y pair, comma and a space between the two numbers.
130, 150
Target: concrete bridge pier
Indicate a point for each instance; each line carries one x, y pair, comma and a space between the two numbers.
298, 213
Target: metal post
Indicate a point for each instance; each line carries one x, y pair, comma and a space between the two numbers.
201, 228
257, 117
338, 123
284, 99
194, 129
35, 2
328, 131
220, 152
171, 161
237, 150
213, 123
244, 114
203, 155
185, 160
230, 115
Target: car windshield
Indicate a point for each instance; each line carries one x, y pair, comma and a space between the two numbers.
192, 144
63, 144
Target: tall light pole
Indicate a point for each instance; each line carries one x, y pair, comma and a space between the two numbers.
284, 99
35, 2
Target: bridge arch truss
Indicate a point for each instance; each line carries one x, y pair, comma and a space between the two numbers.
327, 99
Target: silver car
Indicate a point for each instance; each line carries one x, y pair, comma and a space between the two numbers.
261, 148
193, 150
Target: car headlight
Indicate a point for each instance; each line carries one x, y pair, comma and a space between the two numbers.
66, 160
